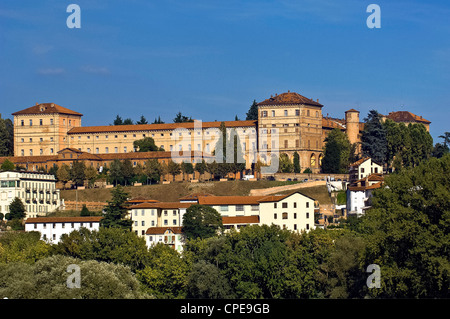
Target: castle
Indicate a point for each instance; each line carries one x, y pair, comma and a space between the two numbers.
287, 123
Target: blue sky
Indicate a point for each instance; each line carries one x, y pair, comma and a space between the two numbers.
210, 59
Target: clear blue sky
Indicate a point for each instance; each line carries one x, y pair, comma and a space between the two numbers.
210, 59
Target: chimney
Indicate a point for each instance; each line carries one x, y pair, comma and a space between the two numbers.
317, 100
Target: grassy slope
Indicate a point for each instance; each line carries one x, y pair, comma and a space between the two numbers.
173, 191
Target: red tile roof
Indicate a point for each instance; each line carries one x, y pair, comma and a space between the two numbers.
46, 108
227, 220
405, 116
80, 219
162, 205
162, 230
289, 98
156, 127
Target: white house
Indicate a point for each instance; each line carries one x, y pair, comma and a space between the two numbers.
36, 190
171, 236
359, 194
52, 228
363, 168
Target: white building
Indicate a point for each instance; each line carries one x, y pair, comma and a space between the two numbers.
363, 168
52, 228
171, 236
359, 194
36, 190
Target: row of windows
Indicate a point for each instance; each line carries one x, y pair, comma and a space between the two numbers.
285, 215
51, 122
165, 212
152, 223
238, 208
286, 113
285, 205
63, 225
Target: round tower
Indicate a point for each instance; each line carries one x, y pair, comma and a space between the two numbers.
352, 125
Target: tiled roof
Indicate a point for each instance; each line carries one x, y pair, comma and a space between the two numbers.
162, 230
405, 116
371, 178
351, 110
81, 219
289, 98
163, 205
229, 200
227, 220
329, 122
359, 162
194, 196
364, 188
46, 108
156, 127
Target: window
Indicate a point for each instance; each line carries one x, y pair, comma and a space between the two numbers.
116, 150
275, 216
143, 212
143, 223
166, 222
40, 121
174, 212
54, 236
284, 205
264, 114
307, 215
124, 149
295, 205
307, 113
285, 113
295, 226
223, 208
274, 205
273, 113
307, 226
31, 122
307, 204
239, 208
174, 222
97, 150
297, 112
295, 215
285, 215
22, 123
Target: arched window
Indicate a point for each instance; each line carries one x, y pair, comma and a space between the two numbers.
313, 160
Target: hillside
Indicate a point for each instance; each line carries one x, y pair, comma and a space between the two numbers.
173, 191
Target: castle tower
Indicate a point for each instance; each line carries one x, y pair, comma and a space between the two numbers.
352, 125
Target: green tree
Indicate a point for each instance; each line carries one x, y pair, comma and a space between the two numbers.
127, 172
296, 162
118, 120
115, 172
48, 277
158, 121
201, 168
373, 137
337, 152
153, 170
16, 209
128, 121
201, 221
147, 144
24, 247
142, 120
91, 175
112, 245
446, 137
407, 232
180, 118
78, 173
85, 211
116, 210
165, 275
7, 165
187, 168
173, 169
285, 164
63, 174
252, 114
6, 137
206, 281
